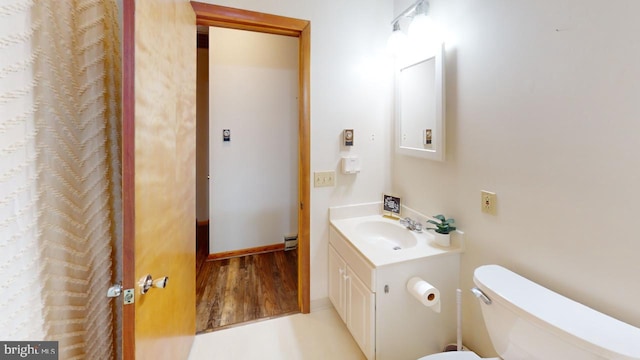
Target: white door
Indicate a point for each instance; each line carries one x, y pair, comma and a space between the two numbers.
361, 313
337, 283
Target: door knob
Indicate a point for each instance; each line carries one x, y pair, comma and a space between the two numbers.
115, 290
147, 282
161, 283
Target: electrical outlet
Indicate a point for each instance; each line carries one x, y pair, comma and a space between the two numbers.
324, 178
488, 202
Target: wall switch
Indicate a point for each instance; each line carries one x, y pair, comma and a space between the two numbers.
488, 202
324, 178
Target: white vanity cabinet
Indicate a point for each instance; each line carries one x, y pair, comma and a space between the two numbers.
338, 283
385, 320
354, 302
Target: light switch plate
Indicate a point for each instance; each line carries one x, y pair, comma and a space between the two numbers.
324, 178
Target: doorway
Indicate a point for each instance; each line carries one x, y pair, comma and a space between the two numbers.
213, 15
250, 107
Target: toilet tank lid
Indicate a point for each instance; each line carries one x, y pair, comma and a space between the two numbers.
601, 333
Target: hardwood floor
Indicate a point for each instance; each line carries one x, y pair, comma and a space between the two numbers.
242, 289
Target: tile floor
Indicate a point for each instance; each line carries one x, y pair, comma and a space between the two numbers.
319, 335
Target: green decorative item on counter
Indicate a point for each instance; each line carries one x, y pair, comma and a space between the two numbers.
443, 225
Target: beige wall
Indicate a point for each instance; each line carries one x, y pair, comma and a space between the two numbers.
542, 108
254, 177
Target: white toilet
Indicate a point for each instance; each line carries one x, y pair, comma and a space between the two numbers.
526, 321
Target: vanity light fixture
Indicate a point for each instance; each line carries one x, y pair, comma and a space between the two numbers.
398, 39
419, 26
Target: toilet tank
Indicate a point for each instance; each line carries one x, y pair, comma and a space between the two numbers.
529, 322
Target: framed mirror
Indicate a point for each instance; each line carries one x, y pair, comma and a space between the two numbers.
420, 104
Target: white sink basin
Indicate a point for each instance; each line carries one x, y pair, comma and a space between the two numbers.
386, 235
385, 241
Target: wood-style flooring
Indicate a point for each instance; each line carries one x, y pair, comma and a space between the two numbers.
243, 289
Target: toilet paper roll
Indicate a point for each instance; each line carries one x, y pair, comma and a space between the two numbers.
424, 292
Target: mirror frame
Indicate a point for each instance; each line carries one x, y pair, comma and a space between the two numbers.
438, 151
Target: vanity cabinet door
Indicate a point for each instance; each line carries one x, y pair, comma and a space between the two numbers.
337, 282
361, 314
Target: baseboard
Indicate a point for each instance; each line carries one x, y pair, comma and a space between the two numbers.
245, 252
321, 304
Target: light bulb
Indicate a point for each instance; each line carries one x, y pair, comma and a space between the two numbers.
420, 28
397, 42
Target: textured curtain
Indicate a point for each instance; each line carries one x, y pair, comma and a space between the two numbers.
63, 187
20, 286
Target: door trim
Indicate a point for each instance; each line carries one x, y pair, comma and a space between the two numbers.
128, 174
226, 17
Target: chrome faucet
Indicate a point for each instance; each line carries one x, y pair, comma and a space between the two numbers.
411, 224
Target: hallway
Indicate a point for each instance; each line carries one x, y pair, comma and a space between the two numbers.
242, 289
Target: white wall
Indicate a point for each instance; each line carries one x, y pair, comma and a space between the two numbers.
542, 108
254, 177
350, 88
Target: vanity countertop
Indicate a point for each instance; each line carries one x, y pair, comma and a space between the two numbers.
395, 243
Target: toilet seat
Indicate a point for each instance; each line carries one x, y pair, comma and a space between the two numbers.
452, 355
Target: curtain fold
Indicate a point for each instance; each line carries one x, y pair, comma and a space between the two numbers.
77, 89
60, 190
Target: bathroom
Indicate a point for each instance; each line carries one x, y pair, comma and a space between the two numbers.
541, 109
541, 105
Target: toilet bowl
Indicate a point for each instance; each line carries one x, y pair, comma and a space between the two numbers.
528, 321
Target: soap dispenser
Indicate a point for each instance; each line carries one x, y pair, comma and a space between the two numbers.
350, 164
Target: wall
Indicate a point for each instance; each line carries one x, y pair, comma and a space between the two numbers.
350, 88
542, 108
254, 176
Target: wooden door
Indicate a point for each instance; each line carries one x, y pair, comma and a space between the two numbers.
159, 58
158, 142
